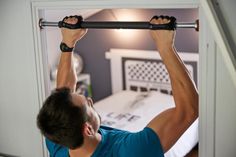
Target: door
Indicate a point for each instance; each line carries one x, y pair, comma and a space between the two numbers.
100, 5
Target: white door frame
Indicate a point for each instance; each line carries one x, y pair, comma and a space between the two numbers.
219, 36
41, 56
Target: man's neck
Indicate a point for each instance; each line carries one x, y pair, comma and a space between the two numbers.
88, 148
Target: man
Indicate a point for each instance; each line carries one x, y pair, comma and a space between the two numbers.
72, 126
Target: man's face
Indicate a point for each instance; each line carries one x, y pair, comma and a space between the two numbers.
93, 117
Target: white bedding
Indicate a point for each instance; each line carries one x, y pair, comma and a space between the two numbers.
132, 111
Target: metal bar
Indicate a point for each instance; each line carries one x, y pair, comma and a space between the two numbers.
49, 24
116, 25
186, 25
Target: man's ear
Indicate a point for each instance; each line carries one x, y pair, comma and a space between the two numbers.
90, 100
88, 129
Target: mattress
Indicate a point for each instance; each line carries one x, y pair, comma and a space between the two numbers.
132, 111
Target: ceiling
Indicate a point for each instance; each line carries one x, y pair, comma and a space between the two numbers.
57, 15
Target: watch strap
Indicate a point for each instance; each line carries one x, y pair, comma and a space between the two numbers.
65, 48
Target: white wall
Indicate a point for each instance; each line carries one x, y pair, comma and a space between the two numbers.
227, 9
53, 35
18, 84
225, 126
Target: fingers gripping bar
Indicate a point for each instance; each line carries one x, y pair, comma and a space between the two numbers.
172, 25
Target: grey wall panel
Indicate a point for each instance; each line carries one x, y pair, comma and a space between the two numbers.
225, 127
225, 10
225, 139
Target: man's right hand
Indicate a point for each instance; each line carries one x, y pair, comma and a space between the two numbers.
164, 39
71, 36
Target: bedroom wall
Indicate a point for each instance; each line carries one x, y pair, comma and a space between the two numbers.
93, 46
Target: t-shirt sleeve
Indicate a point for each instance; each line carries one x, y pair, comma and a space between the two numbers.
144, 143
56, 150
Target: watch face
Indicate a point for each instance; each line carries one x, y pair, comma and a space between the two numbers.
63, 46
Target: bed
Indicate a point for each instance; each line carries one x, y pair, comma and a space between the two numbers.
140, 90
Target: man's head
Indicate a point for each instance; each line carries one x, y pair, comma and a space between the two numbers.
67, 118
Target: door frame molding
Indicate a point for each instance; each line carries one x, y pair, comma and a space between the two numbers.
219, 36
41, 56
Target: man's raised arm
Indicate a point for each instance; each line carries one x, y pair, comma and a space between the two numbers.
66, 75
172, 123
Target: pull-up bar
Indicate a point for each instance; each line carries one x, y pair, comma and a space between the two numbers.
120, 25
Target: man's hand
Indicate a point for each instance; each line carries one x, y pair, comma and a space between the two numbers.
71, 36
164, 39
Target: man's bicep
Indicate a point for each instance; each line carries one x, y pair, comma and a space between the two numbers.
169, 126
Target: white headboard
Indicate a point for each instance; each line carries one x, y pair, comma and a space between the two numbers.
143, 70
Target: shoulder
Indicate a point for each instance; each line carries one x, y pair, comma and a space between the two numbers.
109, 132
107, 128
110, 142
125, 143
145, 136
56, 149
111, 135
142, 143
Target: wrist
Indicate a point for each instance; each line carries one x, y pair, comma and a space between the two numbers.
65, 48
69, 43
165, 49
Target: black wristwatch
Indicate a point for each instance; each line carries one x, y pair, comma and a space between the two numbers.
65, 48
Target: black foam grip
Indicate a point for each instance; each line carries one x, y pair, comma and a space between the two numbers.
169, 26
71, 26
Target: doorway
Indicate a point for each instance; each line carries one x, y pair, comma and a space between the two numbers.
41, 11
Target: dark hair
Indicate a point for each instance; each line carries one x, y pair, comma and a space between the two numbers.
61, 121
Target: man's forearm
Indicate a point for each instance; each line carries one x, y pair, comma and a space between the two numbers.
66, 76
183, 87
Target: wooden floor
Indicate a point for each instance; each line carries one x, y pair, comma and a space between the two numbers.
193, 152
